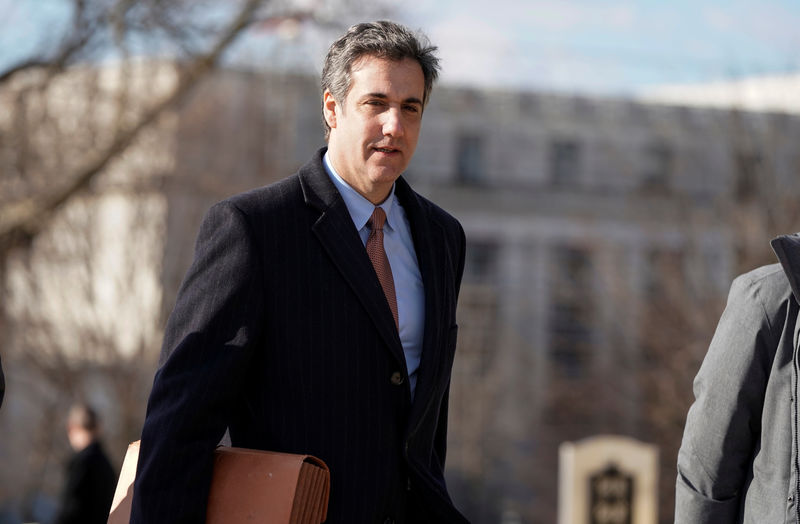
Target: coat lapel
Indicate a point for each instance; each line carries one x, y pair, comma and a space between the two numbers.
787, 249
335, 231
428, 240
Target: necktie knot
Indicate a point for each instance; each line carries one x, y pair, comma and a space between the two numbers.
377, 219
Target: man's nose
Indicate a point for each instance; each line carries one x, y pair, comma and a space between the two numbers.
393, 122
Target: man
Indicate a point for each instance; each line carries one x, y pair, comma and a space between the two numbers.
738, 461
90, 481
285, 333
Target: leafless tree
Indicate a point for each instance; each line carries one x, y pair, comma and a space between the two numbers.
101, 29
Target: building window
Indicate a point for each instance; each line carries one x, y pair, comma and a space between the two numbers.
659, 160
565, 163
470, 167
529, 104
481, 261
571, 310
747, 165
663, 273
478, 307
664, 289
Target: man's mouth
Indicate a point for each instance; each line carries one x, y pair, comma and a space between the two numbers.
386, 150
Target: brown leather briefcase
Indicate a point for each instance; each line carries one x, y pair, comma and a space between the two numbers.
248, 486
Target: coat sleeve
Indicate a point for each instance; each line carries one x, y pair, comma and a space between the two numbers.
724, 422
207, 345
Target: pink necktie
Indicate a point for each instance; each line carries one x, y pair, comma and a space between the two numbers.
380, 261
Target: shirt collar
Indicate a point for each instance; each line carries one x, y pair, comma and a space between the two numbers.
359, 207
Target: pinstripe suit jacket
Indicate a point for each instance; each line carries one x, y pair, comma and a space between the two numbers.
281, 332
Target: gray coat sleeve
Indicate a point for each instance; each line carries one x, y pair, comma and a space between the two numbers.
724, 423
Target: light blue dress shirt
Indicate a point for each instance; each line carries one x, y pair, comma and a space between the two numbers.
399, 248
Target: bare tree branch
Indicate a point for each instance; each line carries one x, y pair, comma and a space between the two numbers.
22, 221
76, 42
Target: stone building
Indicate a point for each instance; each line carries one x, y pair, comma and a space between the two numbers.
598, 231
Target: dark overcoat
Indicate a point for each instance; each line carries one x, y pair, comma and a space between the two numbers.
88, 487
282, 334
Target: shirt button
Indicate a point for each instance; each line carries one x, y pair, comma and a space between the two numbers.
397, 378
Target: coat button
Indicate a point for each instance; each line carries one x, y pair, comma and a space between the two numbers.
397, 378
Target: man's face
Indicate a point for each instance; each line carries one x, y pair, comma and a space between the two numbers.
374, 131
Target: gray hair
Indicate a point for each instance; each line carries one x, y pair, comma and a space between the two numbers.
382, 39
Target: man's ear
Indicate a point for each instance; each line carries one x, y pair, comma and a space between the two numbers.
330, 108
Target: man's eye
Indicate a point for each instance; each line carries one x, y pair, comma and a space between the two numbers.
412, 109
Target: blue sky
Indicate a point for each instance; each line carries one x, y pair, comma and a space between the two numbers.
613, 47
